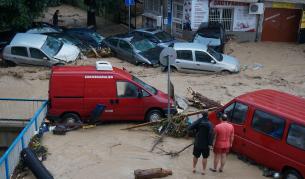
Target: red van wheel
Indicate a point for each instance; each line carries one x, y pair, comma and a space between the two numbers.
153, 115
70, 118
291, 174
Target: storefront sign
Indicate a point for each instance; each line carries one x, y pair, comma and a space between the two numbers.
303, 21
220, 4
243, 21
283, 5
200, 13
187, 15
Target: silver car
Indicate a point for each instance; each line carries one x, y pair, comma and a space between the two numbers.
198, 57
36, 49
136, 50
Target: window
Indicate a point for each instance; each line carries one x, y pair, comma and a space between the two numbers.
237, 113
222, 16
152, 5
35, 53
126, 90
113, 42
296, 136
21, 51
185, 55
268, 124
124, 45
203, 57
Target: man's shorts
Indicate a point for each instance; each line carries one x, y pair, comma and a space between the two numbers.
221, 150
204, 152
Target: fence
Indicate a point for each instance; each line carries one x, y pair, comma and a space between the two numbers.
11, 157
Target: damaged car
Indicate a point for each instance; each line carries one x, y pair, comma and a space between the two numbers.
36, 49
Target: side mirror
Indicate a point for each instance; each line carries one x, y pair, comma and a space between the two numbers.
140, 93
213, 61
45, 58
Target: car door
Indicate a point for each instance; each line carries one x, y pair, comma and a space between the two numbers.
20, 55
39, 58
204, 62
184, 60
128, 105
125, 51
237, 113
113, 44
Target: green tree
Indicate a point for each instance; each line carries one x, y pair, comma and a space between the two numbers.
19, 14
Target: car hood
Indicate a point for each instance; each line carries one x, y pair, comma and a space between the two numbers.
229, 60
67, 53
152, 54
167, 44
207, 41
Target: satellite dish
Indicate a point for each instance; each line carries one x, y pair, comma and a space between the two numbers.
168, 54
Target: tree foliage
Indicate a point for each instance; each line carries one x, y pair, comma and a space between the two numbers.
19, 14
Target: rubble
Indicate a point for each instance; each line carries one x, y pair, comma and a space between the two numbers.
99, 53
201, 102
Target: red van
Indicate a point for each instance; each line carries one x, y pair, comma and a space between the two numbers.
75, 91
269, 129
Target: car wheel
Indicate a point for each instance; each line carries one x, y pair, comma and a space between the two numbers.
70, 118
59, 64
173, 69
291, 174
225, 72
9, 63
154, 115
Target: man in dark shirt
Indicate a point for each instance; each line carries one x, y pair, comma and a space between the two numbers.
55, 18
203, 139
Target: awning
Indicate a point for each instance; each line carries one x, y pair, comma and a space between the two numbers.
245, 1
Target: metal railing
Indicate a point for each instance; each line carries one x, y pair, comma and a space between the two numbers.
11, 157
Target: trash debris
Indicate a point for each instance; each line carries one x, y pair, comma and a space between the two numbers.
201, 102
152, 173
99, 53
257, 66
175, 154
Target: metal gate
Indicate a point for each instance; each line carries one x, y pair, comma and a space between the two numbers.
223, 16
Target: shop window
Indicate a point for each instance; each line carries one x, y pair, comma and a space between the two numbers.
185, 55
296, 136
152, 5
126, 89
223, 16
268, 124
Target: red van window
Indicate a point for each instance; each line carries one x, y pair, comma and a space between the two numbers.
268, 124
126, 89
296, 136
236, 112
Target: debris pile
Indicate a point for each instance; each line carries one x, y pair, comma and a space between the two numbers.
99, 53
201, 102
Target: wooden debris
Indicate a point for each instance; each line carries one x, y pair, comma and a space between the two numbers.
152, 173
140, 125
175, 154
201, 102
99, 53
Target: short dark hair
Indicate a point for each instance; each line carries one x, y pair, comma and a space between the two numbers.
224, 117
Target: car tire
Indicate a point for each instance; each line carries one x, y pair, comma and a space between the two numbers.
9, 63
291, 174
225, 72
173, 69
59, 64
70, 118
154, 115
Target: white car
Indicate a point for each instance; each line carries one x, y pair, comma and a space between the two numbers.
198, 57
36, 49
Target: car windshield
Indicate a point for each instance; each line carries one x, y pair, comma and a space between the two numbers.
97, 37
142, 45
145, 85
51, 46
163, 36
215, 54
210, 33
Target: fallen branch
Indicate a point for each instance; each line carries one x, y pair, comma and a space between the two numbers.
140, 125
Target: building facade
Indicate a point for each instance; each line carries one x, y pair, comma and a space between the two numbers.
246, 20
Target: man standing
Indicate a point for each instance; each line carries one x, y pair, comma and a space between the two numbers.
55, 18
224, 136
203, 139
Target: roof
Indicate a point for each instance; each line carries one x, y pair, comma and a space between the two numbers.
88, 70
189, 46
283, 104
31, 40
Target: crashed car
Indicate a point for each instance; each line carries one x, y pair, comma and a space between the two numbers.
36, 49
156, 36
88, 36
211, 35
134, 49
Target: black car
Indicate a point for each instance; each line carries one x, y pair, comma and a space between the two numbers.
86, 35
212, 35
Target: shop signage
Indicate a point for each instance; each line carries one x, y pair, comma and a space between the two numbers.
243, 21
195, 12
219, 4
303, 21
283, 5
